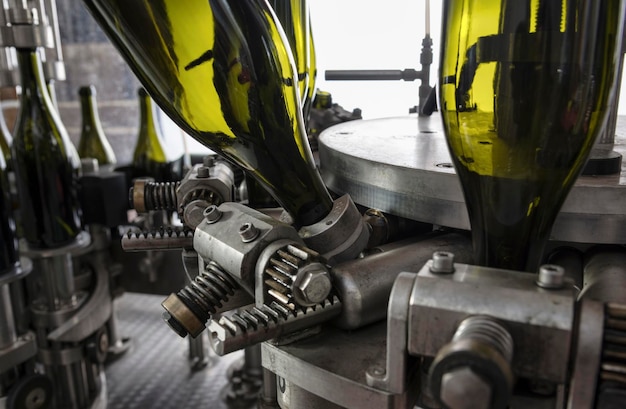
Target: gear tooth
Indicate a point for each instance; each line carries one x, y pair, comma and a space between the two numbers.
228, 324
271, 313
250, 318
242, 323
261, 316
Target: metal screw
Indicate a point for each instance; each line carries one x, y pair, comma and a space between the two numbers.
377, 371
212, 214
248, 232
203, 172
315, 286
442, 262
462, 388
551, 277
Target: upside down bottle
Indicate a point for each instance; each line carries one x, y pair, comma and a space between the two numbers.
45, 163
223, 70
525, 89
93, 142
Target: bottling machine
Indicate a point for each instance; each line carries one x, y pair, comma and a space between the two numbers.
425, 264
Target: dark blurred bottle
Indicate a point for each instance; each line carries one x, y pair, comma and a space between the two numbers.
45, 163
8, 244
149, 157
93, 142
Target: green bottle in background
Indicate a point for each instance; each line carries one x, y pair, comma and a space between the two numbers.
93, 142
45, 163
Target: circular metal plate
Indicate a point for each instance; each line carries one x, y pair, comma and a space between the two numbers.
402, 166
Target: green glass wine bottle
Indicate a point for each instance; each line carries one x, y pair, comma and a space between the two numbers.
45, 163
525, 89
223, 70
149, 157
93, 142
8, 243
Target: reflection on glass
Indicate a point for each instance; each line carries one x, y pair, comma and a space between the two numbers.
525, 90
224, 72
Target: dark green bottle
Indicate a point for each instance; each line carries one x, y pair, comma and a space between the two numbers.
525, 89
93, 142
5, 140
223, 71
8, 244
149, 158
45, 163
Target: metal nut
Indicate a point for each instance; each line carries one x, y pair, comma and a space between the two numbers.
462, 388
314, 286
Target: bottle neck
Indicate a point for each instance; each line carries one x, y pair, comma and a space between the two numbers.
32, 77
147, 119
90, 116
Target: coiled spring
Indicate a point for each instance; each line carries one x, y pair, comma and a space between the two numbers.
208, 291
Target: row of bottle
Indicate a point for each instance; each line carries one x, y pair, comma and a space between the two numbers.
46, 164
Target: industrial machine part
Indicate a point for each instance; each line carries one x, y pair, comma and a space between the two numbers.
209, 183
448, 333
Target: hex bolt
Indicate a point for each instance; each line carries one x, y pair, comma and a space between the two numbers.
551, 277
315, 286
248, 232
203, 172
442, 262
212, 214
462, 388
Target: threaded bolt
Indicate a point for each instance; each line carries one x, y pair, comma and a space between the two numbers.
551, 277
442, 262
212, 214
248, 232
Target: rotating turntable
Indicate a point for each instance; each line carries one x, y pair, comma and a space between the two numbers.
402, 166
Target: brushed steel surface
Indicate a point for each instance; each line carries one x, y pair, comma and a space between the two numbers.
402, 166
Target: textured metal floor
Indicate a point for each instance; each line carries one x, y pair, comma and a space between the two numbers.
155, 372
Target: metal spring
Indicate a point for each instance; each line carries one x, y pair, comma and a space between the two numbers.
161, 196
487, 330
208, 291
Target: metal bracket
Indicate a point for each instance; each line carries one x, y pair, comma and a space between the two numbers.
393, 377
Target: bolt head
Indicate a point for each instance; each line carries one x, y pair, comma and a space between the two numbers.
248, 232
203, 172
551, 276
462, 388
315, 286
442, 262
212, 214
